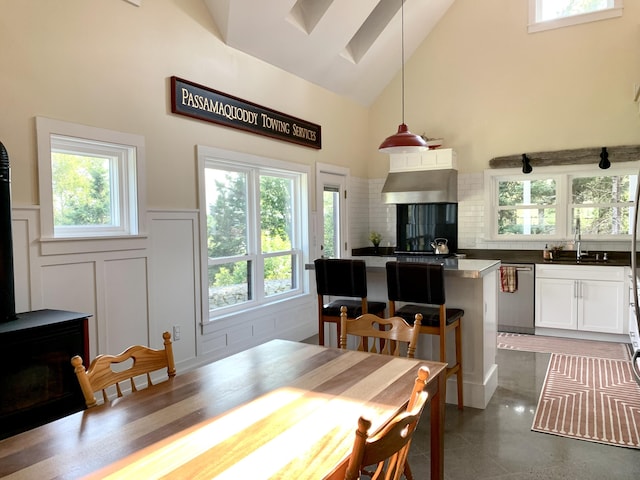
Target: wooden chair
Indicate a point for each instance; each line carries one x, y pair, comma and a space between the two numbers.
342, 278
423, 283
388, 449
392, 332
100, 375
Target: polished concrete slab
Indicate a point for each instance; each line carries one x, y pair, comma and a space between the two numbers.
497, 442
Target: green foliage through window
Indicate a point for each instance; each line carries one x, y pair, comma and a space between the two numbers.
533, 206
231, 224
81, 190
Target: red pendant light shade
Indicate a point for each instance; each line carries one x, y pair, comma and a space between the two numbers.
404, 141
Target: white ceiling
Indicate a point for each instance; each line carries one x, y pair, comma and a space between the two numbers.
350, 47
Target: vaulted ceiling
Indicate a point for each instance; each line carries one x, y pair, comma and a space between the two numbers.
350, 47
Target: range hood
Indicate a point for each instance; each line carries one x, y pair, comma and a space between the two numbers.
422, 186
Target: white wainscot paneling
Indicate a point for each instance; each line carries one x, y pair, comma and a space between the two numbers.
174, 288
72, 287
20, 231
125, 297
292, 319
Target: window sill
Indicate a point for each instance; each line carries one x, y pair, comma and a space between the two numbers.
74, 245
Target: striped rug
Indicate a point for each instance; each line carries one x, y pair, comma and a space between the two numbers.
570, 346
590, 398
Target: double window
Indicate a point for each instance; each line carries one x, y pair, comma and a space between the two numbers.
547, 205
253, 215
549, 14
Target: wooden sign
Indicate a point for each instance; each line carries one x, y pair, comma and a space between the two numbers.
197, 101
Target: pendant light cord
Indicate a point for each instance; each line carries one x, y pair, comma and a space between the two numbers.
402, 31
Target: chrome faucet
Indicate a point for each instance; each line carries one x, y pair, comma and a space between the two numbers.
578, 240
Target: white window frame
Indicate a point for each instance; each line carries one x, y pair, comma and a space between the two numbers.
614, 10
127, 152
564, 219
210, 157
325, 173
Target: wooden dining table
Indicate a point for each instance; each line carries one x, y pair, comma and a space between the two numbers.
283, 409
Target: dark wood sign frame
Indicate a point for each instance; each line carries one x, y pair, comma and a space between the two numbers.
197, 101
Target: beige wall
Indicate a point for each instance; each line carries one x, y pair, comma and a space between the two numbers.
489, 88
107, 63
480, 81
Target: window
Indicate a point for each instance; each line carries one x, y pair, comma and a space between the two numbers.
603, 204
549, 14
254, 217
527, 207
89, 181
332, 226
547, 203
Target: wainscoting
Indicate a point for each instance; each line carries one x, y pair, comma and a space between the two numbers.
135, 294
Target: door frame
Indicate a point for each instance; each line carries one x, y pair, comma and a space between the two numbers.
322, 171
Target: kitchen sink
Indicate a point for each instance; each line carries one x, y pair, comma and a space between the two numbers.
567, 259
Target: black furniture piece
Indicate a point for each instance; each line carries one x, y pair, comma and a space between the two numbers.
421, 285
37, 382
342, 278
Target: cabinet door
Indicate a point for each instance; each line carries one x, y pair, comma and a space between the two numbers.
601, 306
556, 303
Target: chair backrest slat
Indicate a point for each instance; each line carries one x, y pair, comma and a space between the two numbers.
392, 332
138, 360
389, 448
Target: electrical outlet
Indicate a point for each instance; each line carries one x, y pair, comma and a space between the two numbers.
176, 333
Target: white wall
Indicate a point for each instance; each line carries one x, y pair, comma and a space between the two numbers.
135, 295
489, 88
479, 81
107, 63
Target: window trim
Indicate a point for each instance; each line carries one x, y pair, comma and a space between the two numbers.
212, 157
54, 243
536, 25
323, 172
563, 175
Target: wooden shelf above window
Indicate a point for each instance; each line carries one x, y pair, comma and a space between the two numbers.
578, 156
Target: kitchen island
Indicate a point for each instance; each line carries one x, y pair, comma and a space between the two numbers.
471, 284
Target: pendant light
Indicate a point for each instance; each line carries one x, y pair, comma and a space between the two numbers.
403, 141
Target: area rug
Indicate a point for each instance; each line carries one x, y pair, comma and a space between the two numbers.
590, 398
570, 346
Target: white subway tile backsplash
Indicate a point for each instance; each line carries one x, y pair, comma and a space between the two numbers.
367, 213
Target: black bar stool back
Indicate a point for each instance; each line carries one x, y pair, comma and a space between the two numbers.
422, 286
342, 278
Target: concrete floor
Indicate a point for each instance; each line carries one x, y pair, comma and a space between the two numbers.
497, 442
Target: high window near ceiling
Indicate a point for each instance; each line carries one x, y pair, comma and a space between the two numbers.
550, 14
545, 205
254, 218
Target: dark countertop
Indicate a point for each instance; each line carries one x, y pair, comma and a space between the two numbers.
567, 257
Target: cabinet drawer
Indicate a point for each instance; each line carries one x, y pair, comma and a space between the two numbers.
580, 272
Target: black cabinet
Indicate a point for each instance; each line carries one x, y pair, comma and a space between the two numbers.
37, 381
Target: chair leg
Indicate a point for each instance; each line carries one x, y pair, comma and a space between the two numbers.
320, 331
458, 334
407, 471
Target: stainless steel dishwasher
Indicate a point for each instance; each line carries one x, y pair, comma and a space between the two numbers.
516, 310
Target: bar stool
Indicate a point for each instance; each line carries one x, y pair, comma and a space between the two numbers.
342, 278
424, 283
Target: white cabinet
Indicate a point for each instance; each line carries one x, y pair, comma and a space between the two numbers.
437, 159
583, 298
